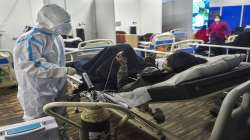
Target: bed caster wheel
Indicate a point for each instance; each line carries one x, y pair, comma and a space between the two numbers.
146, 108
77, 110
214, 111
163, 138
159, 116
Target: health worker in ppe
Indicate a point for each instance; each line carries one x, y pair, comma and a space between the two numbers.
39, 62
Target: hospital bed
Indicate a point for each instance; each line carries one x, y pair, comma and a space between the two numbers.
175, 90
87, 49
165, 39
179, 34
7, 76
233, 123
219, 74
160, 42
226, 48
185, 45
125, 104
229, 120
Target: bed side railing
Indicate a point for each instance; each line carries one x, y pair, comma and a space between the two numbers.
233, 123
227, 48
185, 43
95, 43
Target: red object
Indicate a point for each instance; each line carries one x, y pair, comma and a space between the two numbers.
219, 30
202, 35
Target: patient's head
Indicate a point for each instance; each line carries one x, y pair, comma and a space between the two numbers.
180, 61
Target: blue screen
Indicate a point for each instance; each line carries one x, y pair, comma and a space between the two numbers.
231, 15
200, 13
246, 16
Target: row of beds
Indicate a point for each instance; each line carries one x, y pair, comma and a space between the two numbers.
174, 89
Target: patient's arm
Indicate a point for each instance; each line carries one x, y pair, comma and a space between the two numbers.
122, 76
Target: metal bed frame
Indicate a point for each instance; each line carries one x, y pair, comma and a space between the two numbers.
179, 34
228, 121
92, 47
185, 44
139, 119
7, 66
86, 49
227, 48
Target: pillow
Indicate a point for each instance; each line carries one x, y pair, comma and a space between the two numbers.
215, 65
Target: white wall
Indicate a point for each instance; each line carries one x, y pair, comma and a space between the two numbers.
127, 12
35, 7
60, 3
219, 3
178, 14
96, 15
83, 12
150, 16
146, 13
14, 16
105, 19
99, 23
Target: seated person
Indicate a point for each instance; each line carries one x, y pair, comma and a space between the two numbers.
202, 34
242, 40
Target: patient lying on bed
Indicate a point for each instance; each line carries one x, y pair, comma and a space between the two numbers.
189, 79
219, 73
174, 63
115, 66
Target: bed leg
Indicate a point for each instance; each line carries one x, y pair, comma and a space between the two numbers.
157, 114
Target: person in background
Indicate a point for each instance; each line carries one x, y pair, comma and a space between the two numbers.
218, 31
202, 34
39, 62
243, 39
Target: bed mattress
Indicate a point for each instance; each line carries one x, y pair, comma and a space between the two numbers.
201, 87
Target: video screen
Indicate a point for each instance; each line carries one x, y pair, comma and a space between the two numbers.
200, 14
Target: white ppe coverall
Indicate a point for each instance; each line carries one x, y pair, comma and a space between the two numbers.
40, 70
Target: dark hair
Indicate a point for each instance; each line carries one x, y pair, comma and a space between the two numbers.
217, 16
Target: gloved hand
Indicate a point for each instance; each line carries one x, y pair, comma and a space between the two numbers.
70, 71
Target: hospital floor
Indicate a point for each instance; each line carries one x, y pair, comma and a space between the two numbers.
187, 120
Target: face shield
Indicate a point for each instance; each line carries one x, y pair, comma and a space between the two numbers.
63, 29
55, 19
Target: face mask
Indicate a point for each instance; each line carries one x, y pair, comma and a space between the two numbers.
63, 29
217, 20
